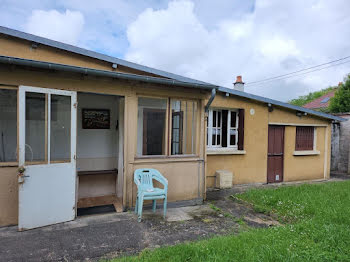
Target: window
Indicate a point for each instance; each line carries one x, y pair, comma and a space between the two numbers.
304, 139
225, 129
151, 124
183, 127
8, 125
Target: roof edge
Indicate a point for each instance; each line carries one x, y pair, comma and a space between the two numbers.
279, 103
93, 54
98, 72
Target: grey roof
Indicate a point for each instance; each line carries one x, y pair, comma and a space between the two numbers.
195, 83
279, 103
92, 54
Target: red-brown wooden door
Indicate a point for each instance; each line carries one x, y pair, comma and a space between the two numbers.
275, 154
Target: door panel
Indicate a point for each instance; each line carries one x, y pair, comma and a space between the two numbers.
275, 154
47, 148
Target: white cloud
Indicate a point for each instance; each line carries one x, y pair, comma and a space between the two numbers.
277, 37
208, 40
64, 27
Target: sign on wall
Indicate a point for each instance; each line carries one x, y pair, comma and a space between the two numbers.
96, 118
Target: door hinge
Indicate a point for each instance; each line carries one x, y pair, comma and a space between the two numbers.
75, 105
75, 157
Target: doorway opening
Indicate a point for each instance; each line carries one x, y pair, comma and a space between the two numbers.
100, 121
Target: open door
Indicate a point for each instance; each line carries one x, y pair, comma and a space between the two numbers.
47, 153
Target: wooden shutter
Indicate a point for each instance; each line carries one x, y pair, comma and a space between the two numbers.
240, 129
304, 138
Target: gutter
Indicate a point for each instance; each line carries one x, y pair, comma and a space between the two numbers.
211, 99
103, 73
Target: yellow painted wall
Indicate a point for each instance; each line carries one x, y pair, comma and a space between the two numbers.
248, 168
298, 168
251, 167
185, 175
15, 47
8, 196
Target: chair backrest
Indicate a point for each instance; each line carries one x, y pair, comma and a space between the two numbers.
145, 176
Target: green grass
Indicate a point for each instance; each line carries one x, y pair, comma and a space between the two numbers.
317, 228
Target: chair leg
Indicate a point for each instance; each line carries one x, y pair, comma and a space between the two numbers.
154, 206
140, 206
165, 204
136, 205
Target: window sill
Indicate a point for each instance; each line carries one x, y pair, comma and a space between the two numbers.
306, 153
225, 152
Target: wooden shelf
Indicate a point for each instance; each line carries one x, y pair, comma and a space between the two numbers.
98, 172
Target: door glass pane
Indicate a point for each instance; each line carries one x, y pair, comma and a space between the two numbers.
36, 128
8, 125
60, 129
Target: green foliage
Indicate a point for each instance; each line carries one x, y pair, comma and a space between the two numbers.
340, 103
318, 229
303, 100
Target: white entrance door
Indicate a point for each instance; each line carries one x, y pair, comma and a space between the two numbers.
47, 148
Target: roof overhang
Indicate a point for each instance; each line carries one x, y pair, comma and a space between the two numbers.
101, 73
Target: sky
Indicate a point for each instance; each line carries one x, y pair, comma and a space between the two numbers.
212, 41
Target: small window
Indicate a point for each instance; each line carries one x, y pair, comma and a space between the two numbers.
304, 139
151, 124
225, 128
183, 127
8, 125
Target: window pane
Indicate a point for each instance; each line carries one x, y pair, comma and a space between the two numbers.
232, 140
184, 115
36, 128
8, 125
233, 119
219, 118
213, 139
60, 128
151, 126
214, 118
218, 139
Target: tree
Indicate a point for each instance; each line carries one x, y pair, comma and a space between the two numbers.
340, 103
302, 100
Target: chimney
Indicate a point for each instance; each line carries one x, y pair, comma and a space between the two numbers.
239, 84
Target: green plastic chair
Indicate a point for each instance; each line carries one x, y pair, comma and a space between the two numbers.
143, 179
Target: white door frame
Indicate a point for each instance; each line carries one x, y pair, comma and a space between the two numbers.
27, 219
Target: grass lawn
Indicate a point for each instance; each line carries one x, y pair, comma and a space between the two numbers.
316, 228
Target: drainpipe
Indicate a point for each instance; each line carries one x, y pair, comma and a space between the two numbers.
213, 94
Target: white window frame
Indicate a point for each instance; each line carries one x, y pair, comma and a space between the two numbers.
229, 128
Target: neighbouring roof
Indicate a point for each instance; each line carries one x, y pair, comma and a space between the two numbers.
321, 102
177, 79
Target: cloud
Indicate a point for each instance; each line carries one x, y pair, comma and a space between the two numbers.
64, 27
272, 38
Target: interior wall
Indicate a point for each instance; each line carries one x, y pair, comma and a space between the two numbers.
8, 125
97, 149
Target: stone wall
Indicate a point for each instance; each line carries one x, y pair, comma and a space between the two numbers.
340, 157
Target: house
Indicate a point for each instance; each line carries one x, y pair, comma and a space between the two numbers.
75, 124
321, 103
